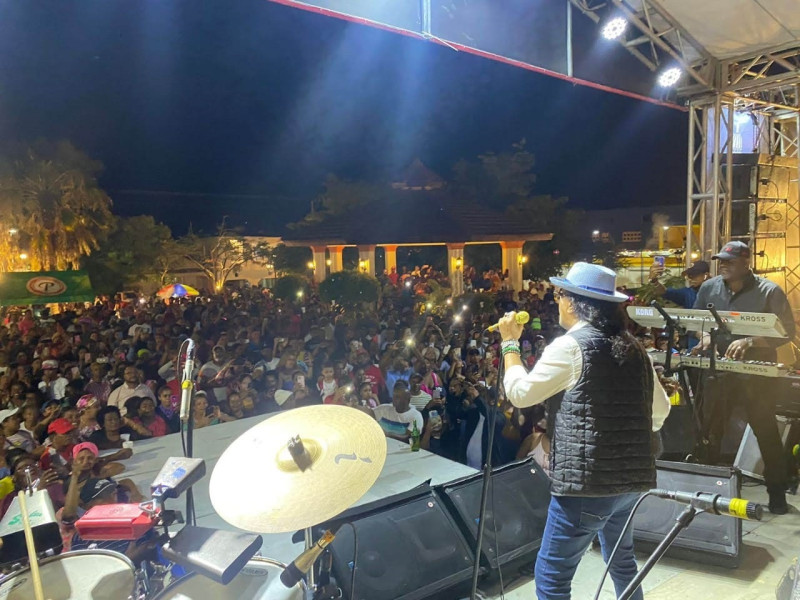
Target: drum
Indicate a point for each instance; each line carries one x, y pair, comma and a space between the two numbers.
79, 575
258, 580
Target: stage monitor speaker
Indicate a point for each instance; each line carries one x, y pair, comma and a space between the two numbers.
678, 433
519, 496
409, 548
710, 539
748, 459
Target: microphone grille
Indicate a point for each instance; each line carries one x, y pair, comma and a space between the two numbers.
754, 511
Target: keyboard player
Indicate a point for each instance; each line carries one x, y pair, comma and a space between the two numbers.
736, 288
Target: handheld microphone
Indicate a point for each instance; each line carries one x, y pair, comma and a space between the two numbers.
714, 503
186, 382
292, 574
521, 317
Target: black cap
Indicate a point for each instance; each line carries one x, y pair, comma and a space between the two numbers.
698, 268
733, 250
94, 488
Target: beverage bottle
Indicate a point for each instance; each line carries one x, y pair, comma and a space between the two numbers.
415, 437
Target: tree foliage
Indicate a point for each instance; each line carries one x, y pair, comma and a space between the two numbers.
291, 259
341, 197
349, 288
496, 180
221, 255
291, 287
546, 259
51, 201
137, 250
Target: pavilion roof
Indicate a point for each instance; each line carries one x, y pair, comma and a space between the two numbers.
416, 217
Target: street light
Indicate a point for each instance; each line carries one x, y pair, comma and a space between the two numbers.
23, 256
459, 263
328, 262
521, 260
311, 265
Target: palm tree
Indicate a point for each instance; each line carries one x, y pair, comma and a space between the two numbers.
50, 200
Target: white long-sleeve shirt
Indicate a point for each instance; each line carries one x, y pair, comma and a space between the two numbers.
558, 370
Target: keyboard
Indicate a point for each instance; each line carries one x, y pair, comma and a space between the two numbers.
739, 323
746, 367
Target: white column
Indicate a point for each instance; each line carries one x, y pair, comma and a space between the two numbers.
455, 267
318, 257
366, 259
512, 261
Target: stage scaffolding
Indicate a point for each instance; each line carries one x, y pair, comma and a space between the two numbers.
760, 89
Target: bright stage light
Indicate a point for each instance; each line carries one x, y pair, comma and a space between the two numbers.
614, 28
669, 77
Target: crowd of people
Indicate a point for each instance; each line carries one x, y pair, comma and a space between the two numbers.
78, 388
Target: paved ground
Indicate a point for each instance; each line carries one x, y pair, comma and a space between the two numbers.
768, 549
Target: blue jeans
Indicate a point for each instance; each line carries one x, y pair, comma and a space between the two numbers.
572, 523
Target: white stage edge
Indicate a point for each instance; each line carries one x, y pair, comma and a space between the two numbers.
402, 471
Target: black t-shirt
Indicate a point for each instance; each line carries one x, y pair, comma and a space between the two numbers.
99, 439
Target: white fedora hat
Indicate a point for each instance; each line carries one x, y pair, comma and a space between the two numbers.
592, 281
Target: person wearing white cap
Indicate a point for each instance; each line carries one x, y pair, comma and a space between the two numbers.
16, 437
52, 385
604, 402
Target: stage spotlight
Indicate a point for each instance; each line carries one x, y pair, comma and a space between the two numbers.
669, 77
614, 28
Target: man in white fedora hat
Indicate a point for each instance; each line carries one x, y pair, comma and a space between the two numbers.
604, 401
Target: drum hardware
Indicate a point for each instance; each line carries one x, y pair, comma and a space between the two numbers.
258, 580
332, 448
96, 574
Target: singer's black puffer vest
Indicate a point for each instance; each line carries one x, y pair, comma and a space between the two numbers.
601, 428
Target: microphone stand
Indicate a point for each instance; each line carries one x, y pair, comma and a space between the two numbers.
672, 327
714, 334
491, 418
681, 523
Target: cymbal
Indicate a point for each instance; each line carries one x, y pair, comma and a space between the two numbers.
257, 485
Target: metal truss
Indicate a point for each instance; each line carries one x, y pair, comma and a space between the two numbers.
655, 39
764, 86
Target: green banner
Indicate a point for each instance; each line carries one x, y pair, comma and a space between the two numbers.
45, 287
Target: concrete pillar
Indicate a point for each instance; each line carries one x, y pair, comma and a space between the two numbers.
336, 258
366, 259
455, 268
318, 258
390, 258
512, 261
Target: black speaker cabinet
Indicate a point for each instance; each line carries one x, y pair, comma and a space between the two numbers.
409, 548
519, 496
710, 539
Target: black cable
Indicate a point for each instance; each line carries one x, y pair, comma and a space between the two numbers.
501, 368
355, 561
619, 541
491, 420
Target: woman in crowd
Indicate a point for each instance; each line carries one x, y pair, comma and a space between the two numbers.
88, 406
148, 418
115, 429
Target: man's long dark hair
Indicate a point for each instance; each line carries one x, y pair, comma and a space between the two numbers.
610, 319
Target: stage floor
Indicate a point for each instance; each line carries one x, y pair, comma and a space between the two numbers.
768, 547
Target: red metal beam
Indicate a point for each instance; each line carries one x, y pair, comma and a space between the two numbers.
496, 57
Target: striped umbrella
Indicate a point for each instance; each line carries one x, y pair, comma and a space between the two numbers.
177, 290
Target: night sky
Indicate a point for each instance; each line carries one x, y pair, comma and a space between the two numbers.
259, 101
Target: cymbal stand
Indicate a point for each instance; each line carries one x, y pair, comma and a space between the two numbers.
310, 577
